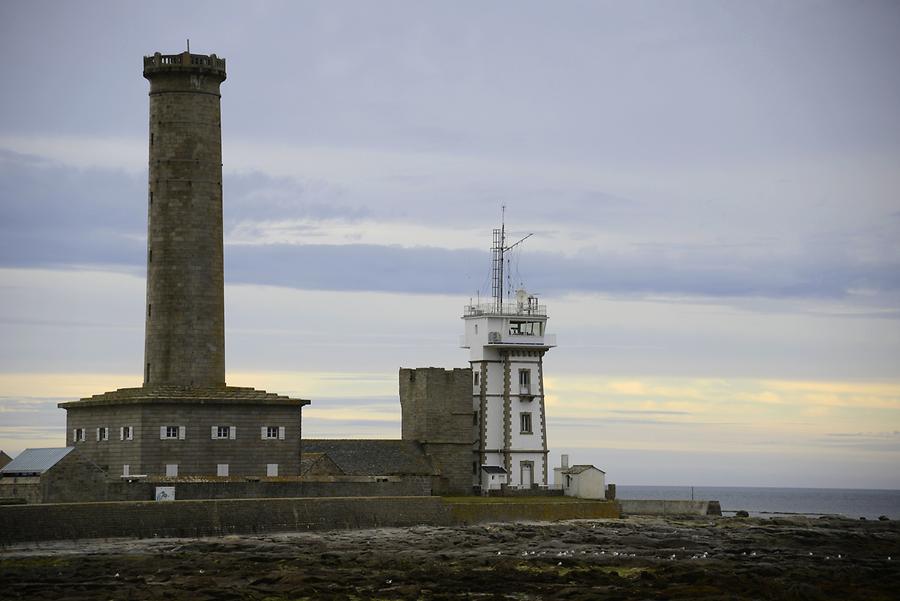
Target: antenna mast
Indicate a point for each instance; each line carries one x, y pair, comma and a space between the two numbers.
498, 250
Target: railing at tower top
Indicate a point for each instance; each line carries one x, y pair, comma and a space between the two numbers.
185, 59
516, 308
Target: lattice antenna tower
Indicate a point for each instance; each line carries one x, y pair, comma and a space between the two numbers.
498, 253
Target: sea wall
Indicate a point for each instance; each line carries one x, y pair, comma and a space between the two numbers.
474, 512
146, 519
668, 507
406, 486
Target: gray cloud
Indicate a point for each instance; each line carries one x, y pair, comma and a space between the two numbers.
57, 216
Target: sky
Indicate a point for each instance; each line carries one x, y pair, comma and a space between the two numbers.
713, 189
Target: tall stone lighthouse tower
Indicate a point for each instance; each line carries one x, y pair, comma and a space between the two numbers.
507, 340
184, 420
185, 319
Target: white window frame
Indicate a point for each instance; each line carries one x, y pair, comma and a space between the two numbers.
172, 432
102, 434
272, 432
78, 435
525, 416
126, 469
171, 470
524, 381
223, 432
222, 470
126, 433
271, 470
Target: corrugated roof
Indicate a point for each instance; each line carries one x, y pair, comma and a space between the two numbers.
35, 461
373, 457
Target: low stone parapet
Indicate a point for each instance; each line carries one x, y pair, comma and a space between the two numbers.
668, 507
148, 519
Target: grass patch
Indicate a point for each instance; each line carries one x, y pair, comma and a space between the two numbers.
32, 562
513, 500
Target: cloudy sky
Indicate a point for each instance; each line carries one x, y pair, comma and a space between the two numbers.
713, 188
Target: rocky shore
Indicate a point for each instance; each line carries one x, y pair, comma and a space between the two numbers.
634, 558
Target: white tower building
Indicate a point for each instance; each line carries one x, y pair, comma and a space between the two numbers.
507, 342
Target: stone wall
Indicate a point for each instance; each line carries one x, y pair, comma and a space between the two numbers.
75, 478
436, 406
668, 507
411, 486
21, 487
185, 312
20, 523
198, 454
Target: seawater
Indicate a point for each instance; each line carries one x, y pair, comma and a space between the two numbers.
764, 501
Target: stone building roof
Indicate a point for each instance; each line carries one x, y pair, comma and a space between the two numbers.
35, 461
4, 459
367, 457
177, 394
493, 469
318, 464
577, 469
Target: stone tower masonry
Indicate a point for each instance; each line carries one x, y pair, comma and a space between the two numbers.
184, 421
185, 312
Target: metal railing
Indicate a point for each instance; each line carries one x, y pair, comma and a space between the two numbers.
505, 309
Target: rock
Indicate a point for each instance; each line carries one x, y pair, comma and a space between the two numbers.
741, 514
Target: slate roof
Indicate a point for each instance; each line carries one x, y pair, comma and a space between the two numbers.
492, 469
35, 461
577, 469
367, 457
318, 464
186, 394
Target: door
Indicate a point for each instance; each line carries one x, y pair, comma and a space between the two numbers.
526, 474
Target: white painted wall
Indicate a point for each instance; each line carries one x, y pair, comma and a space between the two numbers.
589, 484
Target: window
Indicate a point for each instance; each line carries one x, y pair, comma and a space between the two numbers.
223, 432
78, 435
272, 432
222, 470
126, 433
171, 470
271, 470
102, 434
172, 432
525, 422
126, 470
477, 378
524, 381
474, 468
475, 418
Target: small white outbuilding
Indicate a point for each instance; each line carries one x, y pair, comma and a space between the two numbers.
492, 478
583, 481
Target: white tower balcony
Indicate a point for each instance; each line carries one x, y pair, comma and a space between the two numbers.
493, 326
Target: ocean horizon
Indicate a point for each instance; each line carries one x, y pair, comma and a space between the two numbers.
767, 501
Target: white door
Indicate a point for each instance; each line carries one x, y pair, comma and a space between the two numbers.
526, 474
